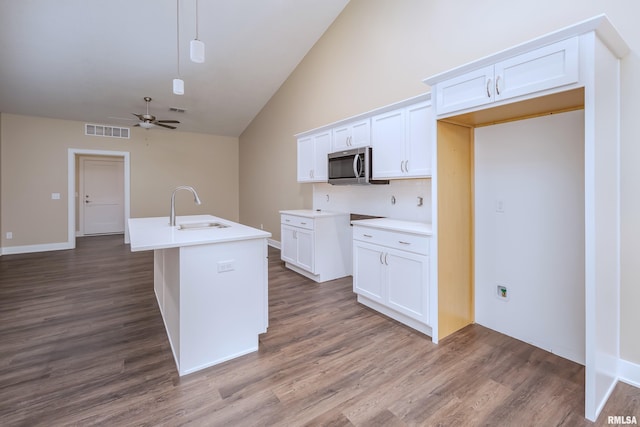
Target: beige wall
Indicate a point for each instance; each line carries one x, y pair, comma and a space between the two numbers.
378, 51
34, 165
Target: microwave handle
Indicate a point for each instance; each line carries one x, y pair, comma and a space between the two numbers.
356, 169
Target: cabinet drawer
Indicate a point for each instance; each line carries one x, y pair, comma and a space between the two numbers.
392, 239
297, 221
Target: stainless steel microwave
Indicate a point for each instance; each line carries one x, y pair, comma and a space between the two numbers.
352, 167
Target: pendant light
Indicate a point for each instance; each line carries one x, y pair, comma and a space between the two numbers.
178, 83
197, 46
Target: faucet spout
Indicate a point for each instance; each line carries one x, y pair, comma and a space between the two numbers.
196, 199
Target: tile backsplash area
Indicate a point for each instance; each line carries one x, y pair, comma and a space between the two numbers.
412, 199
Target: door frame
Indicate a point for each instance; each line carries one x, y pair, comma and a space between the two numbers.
71, 189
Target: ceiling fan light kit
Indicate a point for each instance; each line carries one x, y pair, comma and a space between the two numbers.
147, 121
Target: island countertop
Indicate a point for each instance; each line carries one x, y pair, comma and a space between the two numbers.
156, 233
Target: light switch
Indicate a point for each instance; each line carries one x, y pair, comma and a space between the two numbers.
55, 196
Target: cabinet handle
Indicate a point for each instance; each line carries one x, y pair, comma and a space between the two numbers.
381, 262
406, 166
403, 166
287, 220
488, 90
404, 243
367, 235
497, 85
303, 223
349, 143
385, 259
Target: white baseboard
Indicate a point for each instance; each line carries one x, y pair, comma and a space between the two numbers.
12, 250
629, 372
273, 243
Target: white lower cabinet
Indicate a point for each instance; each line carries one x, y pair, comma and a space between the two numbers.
297, 247
391, 274
316, 244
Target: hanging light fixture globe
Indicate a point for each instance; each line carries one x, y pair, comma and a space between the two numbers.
197, 46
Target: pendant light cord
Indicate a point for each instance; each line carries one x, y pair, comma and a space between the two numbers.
178, 35
197, 20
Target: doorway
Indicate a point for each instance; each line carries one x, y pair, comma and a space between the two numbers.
75, 213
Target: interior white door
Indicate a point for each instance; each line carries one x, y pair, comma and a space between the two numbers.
102, 195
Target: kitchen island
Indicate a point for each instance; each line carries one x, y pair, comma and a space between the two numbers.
210, 281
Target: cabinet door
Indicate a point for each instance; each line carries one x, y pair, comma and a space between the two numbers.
322, 146
368, 271
289, 246
545, 68
360, 134
306, 253
305, 159
341, 138
465, 91
418, 141
407, 283
351, 135
387, 140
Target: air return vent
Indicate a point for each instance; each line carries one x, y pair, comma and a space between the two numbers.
108, 131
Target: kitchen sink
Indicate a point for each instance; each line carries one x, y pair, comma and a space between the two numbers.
201, 225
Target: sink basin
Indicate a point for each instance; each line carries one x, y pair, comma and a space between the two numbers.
201, 225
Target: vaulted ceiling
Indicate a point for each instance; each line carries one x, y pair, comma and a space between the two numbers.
95, 61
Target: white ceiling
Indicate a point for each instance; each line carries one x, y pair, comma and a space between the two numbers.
92, 60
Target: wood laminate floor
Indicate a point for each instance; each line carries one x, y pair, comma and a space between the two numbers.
82, 343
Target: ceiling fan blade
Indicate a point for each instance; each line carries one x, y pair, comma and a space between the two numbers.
165, 126
167, 121
139, 116
136, 125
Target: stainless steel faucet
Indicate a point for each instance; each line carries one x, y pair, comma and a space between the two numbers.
196, 199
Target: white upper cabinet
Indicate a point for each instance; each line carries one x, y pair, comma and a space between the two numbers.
352, 135
401, 141
541, 69
312, 157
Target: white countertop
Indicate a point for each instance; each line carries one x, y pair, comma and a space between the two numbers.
396, 225
155, 233
310, 213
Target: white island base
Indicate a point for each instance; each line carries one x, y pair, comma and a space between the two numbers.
212, 292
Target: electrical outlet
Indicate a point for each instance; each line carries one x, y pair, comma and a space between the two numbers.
55, 196
502, 292
9, 235
226, 266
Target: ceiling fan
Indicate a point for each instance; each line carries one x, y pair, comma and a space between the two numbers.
148, 121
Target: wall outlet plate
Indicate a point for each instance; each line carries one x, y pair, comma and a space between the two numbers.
502, 292
224, 266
